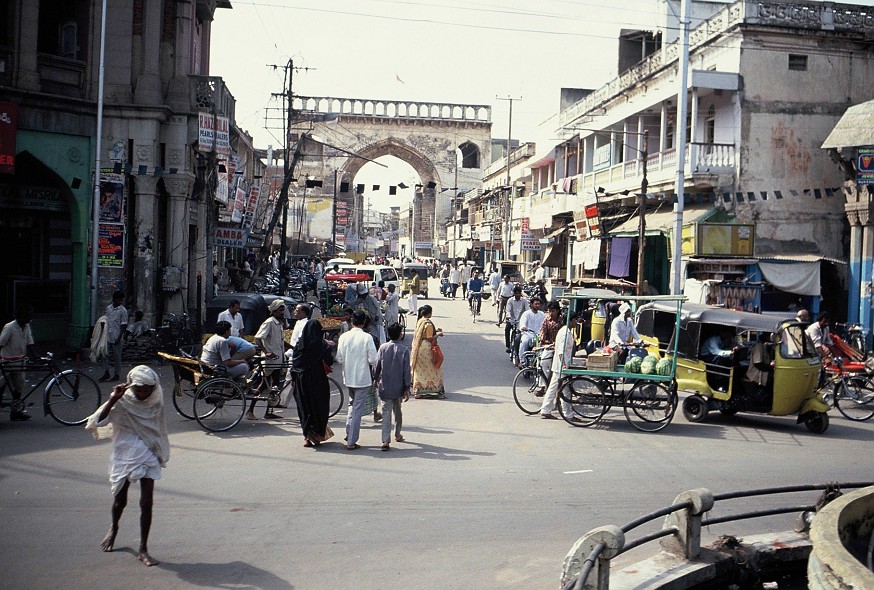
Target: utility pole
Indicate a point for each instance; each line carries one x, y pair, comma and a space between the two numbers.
507, 201
676, 284
641, 234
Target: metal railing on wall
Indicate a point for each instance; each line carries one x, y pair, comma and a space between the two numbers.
689, 510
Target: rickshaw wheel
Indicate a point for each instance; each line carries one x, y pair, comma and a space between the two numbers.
695, 408
817, 423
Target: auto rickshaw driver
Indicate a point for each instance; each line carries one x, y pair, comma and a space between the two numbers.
717, 352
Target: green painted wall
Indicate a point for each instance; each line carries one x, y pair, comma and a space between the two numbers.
69, 156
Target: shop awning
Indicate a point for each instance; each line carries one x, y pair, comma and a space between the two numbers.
550, 237
855, 128
662, 221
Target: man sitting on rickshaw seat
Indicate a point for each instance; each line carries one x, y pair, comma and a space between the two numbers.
217, 353
717, 352
759, 378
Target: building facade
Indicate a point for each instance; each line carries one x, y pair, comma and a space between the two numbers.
156, 187
767, 83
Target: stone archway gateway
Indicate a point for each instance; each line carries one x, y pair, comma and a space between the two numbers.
425, 135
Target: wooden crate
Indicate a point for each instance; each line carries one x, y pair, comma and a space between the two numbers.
598, 361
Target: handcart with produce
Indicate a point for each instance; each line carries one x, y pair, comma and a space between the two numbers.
644, 386
333, 299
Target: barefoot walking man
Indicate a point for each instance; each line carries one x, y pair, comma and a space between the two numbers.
134, 419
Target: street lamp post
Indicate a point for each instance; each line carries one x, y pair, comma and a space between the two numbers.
641, 233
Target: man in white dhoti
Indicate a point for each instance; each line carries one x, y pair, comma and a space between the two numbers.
134, 419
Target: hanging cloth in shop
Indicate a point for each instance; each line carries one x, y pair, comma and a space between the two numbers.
620, 257
591, 254
800, 278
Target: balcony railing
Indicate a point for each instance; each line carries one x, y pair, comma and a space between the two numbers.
701, 159
210, 94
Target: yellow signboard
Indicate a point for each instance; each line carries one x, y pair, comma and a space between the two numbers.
718, 239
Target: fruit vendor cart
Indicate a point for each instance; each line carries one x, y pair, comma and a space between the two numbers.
644, 386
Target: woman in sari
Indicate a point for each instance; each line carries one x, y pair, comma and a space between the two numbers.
427, 378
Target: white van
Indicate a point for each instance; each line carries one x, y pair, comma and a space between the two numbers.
375, 273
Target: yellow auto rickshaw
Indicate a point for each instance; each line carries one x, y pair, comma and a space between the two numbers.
786, 365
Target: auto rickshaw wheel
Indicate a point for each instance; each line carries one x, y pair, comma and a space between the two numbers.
817, 423
695, 408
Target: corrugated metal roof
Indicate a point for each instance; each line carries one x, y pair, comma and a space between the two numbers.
789, 257
658, 222
856, 128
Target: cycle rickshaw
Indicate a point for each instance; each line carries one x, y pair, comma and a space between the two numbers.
217, 402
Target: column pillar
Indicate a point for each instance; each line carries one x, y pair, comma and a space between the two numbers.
866, 260
144, 241
854, 281
177, 242
177, 94
663, 128
27, 73
148, 84
692, 153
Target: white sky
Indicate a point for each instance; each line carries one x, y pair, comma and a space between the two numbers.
459, 51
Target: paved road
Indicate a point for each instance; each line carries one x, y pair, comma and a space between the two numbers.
480, 496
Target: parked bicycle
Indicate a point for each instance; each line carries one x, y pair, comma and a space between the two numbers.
70, 396
175, 332
851, 393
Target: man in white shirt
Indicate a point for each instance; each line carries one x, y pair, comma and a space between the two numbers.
356, 351
622, 330
529, 326
495, 284
516, 306
269, 338
233, 316
465, 276
539, 273
819, 333
505, 291
564, 352
16, 342
454, 280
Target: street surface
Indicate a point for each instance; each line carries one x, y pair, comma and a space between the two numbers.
480, 495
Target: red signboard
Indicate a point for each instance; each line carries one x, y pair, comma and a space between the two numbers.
8, 130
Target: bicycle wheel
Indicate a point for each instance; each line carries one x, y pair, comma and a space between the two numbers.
219, 404
183, 398
650, 406
856, 402
525, 391
337, 396
402, 320
71, 397
586, 399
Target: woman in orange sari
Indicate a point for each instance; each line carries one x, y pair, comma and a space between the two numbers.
427, 378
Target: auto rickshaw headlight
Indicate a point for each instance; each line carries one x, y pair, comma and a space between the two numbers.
827, 398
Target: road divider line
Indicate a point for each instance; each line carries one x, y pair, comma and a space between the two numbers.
580, 471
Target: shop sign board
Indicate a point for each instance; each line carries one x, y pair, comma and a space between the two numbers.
865, 168
231, 237
8, 132
110, 245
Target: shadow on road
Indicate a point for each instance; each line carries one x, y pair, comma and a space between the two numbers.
236, 574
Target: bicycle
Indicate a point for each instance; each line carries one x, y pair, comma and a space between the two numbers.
852, 394
217, 402
529, 384
474, 308
70, 396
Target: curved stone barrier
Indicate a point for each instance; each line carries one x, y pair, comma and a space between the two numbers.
841, 533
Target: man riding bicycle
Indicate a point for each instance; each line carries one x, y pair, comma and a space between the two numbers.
475, 292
